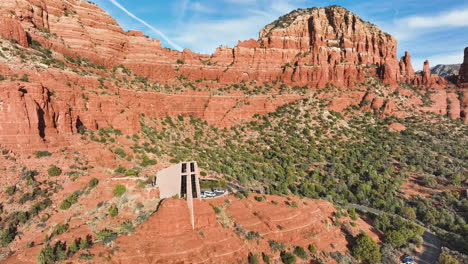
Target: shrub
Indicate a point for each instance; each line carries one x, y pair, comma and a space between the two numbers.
312, 249
24, 78
429, 181
131, 173
445, 258
366, 249
46, 255
276, 246
7, 235
252, 235
119, 190
28, 175
266, 258
288, 258
253, 259
93, 183
202, 173
147, 161
10, 190
352, 214
65, 205
174, 161
106, 236
215, 209
53, 254
60, 229
300, 252
127, 227
120, 170
408, 212
69, 201
74, 247
394, 238
54, 171
86, 256
40, 154
113, 211
86, 243
180, 62
120, 152
260, 198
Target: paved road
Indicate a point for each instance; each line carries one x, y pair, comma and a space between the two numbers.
431, 247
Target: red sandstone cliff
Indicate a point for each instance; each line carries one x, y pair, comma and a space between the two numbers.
312, 46
463, 79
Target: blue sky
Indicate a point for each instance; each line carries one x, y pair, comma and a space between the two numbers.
429, 29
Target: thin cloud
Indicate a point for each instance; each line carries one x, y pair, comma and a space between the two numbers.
413, 27
453, 18
204, 33
198, 7
162, 35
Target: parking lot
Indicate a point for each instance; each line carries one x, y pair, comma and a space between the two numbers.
210, 194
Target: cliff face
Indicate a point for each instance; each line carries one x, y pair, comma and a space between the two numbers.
308, 46
463, 79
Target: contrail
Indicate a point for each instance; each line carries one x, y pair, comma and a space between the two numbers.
117, 4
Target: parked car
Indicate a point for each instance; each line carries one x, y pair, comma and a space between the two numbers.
407, 259
209, 194
219, 191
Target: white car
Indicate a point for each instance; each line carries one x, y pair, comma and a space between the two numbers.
209, 194
219, 191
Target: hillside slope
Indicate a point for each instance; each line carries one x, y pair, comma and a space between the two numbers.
446, 70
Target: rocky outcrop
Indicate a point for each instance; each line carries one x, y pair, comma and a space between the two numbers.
168, 237
406, 68
27, 115
11, 29
46, 113
427, 79
463, 76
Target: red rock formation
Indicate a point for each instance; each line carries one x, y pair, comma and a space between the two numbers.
27, 116
406, 68
167, 236
311, 46
396, 127
32, 119
426, 79
12, 29
463, 79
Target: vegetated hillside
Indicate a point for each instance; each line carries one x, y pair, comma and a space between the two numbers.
303, 149
79, 111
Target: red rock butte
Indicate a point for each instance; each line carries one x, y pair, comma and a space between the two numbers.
312, 46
